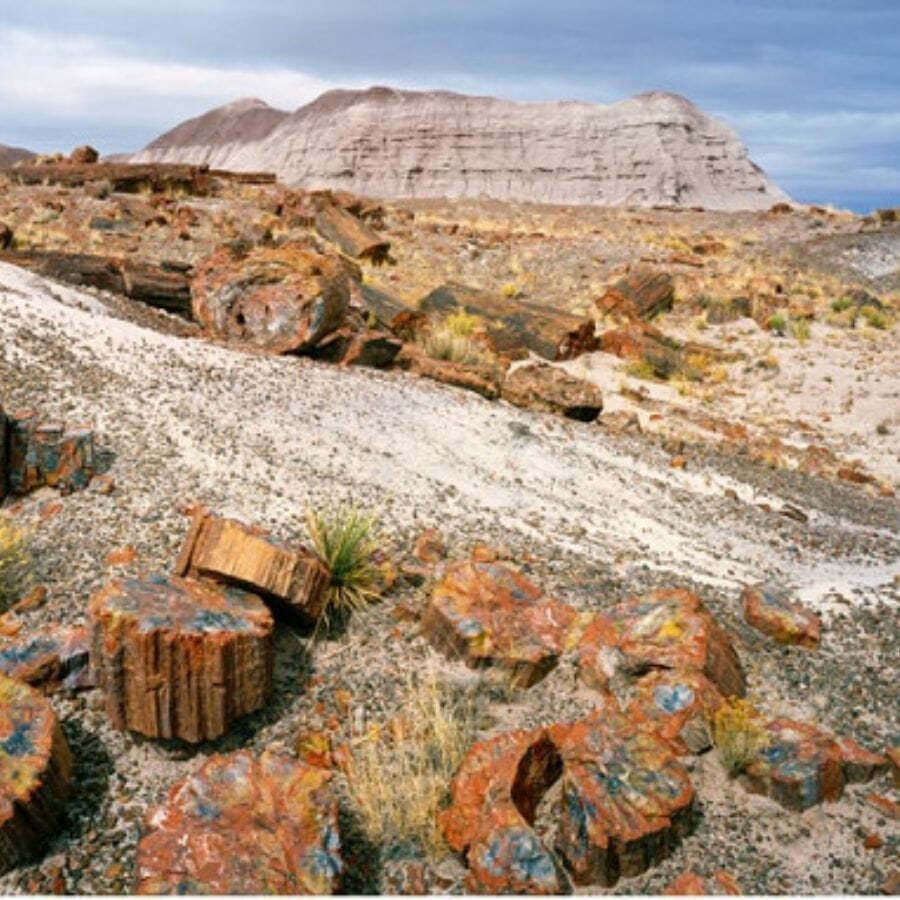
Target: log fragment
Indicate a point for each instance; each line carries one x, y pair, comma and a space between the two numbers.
244, 825
641, 294
55, 658
179, 659
353, 236
548, 388
126, 178
245, 557
47, 454
35, 772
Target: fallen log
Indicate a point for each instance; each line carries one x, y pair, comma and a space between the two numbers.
354, 237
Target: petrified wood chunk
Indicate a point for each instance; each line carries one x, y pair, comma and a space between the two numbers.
355, 238
641, 294
665, 629
495, 796
177, 658
481, 379
49, 454
246, 557
35, 772
680, 705
243, 825
282, 299
489, 614
769, 609
719, 884
800, 765
57, 657
626, 798
551, 389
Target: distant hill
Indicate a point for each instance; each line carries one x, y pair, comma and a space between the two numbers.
9, 156
655, 148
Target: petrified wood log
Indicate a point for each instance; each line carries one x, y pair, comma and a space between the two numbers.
282, 299
665, 629
374, 349
550, 389
481, 380
35, 772
49, 454
177, 658
246, 557
641, 294
58, 657
799, 765
626, 798
243, 825
124, 177
354, 237
769, 609
495, 795
487, 613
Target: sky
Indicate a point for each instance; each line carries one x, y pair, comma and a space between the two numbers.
812, 86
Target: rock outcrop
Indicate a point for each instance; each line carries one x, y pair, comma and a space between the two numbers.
655, 148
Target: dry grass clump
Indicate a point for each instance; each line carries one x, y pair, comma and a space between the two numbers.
454, 340
399, 775
738, 734
344, 541
16, 572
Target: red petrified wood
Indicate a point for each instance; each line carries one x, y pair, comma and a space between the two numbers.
243, 825
177, 658
770, 610
719, 884
246, 557
665, 629
35, 772
490, 614
56, 657
495, 796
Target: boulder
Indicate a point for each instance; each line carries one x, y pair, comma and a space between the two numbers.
641, 294
35, 773
769, 609
799, 765
549, 388
351, 235
494, 800
719, 884
292, 577
179, 659
665, 629
84, 155
626, 801
242, 824
57, 657
487, 613
281, 299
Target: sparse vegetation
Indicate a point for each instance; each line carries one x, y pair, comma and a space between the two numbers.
840, 305
446, 343
461, 323
777, 324
640, 368
345, 543
800, 329
510, 290
874, 318
738, 734
16, 571
399, 775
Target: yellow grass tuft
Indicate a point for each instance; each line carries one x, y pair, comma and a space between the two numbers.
738, 734
16, 572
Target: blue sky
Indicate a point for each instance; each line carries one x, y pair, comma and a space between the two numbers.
813, 86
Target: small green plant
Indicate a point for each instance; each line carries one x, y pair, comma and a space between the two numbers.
777, 324
345, 543
16, 571
840, 305
874, 317
738, 734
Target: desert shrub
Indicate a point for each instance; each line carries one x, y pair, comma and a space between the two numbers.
462, 323
16, 571
874, 317
738, 734
841, 304
777, 324
510, 291
800, 330
443, 343
399, 775
640, 368
345, 542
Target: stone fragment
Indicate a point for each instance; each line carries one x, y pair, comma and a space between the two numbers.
481, 379
84, 155
57, 657
665, 629
893, 755
405, 878
641, 294
243, 825
179, 659
885, 805
638, 340
769, 609
353, 236
680, 705
371, 348
799, 765
35, 772
292, 577
494, 800
549, 388
626, 801
490, 614
47, 454
282, 299
719, 884
430, 547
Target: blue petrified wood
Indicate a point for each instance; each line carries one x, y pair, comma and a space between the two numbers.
244, 825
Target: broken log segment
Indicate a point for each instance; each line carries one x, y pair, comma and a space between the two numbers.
177, 658
56, 657
354, 237
228, 551
244, 825
35, 772
641, 294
